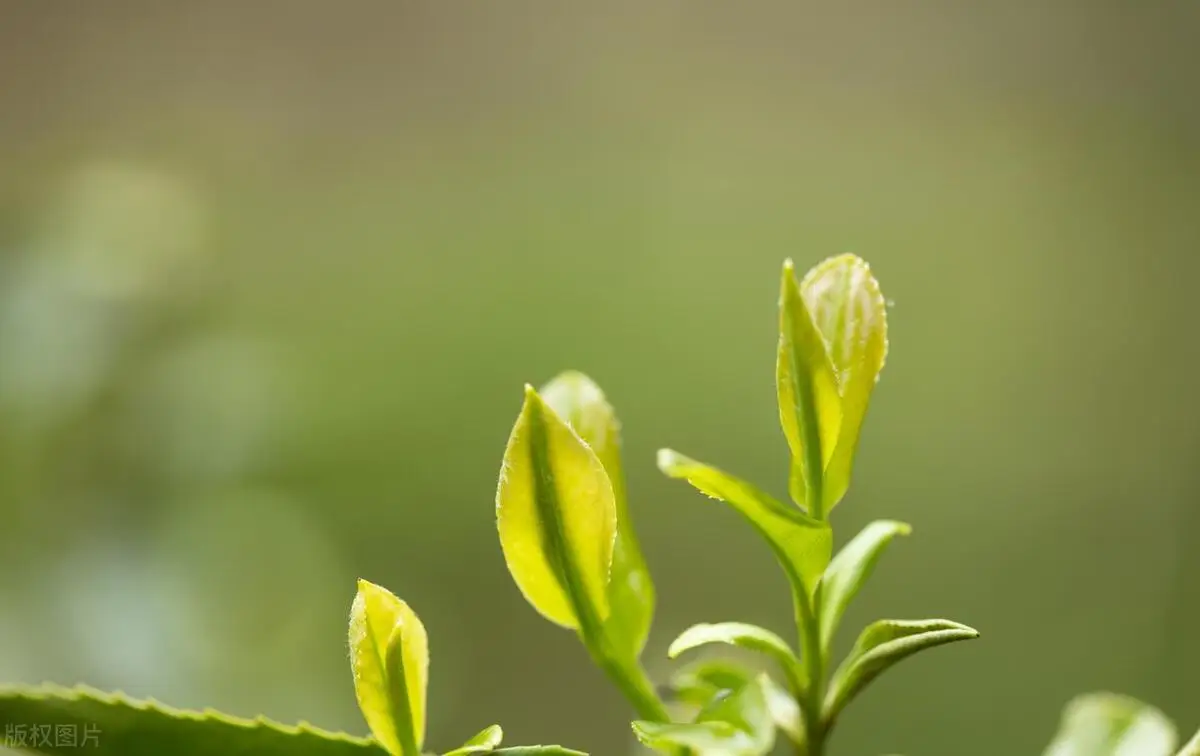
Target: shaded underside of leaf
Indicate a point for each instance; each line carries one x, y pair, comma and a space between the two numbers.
882, 645
698, 683
803, 545
1107, 724
736, 723
122, 726
702, 737
741, 634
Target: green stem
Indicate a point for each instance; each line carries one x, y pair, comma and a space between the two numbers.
815, 665
808, 622
627, 674
633, 682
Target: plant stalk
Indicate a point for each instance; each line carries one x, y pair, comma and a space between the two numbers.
810, 702
633, 683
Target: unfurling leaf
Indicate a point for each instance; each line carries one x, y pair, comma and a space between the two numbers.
87, 720
850, 313
484, 742
809, 407
880, 646
739, 634
832, 347
850, 569
1106, 724
580, 402
802, 544
389, 655
557, 518
737, 724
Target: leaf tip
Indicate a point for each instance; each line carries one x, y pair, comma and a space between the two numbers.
682, 643
667, 459
642, 730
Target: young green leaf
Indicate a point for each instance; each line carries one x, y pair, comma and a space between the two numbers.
701, 737
698, 683
484, 742
850, 569
737, 724
809, 407
849, 311
881, 645
740, 634
557, 518
580, 402
802, 545
389, 655
1106, 724
537, 750
49, 719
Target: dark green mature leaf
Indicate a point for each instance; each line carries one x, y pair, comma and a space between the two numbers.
751, 637
580, 402
850, 569
484, 742
54, 720
802, 545
1106, 724
882, 645
809, 406
737, 724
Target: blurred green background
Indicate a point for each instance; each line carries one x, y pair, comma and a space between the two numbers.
272, 276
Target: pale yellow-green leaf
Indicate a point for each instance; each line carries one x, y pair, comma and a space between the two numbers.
739, 724
741, 634
785, 711
1107, 724
582, 404
809, 404
850, 313
556, 514
486, 741
389, 655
